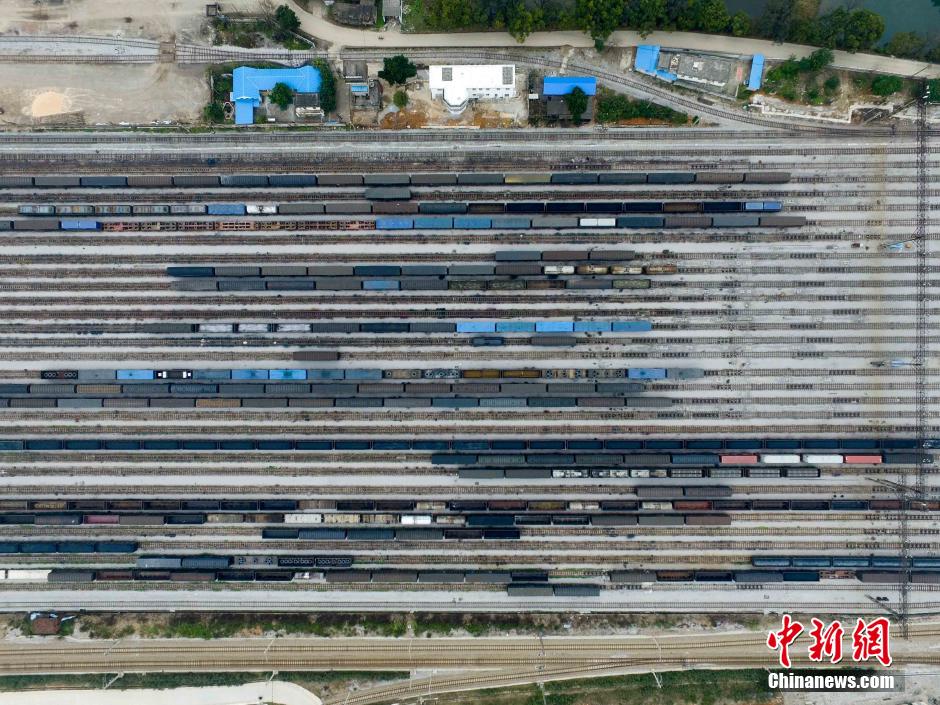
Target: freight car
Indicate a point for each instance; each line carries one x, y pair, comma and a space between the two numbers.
67, 547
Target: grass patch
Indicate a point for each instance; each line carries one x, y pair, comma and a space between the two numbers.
615, 107
678, 688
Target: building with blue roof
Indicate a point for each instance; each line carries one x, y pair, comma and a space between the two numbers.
248, 83
555, 88
757, 73
647, 61
563, 85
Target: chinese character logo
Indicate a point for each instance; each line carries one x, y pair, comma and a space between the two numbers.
782, 639
827, 641
870, 640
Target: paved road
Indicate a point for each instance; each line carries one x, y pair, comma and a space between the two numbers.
315, 23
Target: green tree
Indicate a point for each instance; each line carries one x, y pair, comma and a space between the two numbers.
213, 112
599, 18
645, 16
740, 24
832, 84
816, 61
907, 45
713, 16
286, 19
327, 86
864, 29
397, 70
400, 99
886, 85
577, 102
521, 21
281, 95
775, 21
689, 15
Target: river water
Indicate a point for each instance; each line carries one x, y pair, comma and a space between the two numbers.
921, 16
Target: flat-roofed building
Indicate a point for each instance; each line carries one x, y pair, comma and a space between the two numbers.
458, 85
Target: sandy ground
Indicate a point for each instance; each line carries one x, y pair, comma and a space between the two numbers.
921, 685
275, 691
165, 20
100, 94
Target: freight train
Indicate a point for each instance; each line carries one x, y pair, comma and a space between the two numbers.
419, 270
348, 374
74, 512
404, 207
890, 450
469, 222
396, 179
516, 583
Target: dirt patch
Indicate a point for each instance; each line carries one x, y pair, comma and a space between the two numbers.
101, 94
167, 19
404, 119
49, 103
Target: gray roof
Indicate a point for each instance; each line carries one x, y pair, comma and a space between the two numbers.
356, 70
354, 13
307, 100
556, 107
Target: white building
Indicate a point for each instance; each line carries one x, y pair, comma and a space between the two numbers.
458, 85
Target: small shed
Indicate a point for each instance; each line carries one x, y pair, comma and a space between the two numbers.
357, 14
355, 71
757, 73
391, 9
307, 106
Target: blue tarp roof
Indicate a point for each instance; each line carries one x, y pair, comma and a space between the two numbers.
563, 85
757, 72
647, 56
247, 84
647, 61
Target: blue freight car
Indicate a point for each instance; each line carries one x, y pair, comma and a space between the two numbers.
554, 326
394, 223
364, 374
646, 373
250, 374
287, 374
476, 326
434, 223
631, 326
324, 374
381, 285
472, 223
136, 375
81, 224
226, 209
592, 326
485, 341
515, 327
